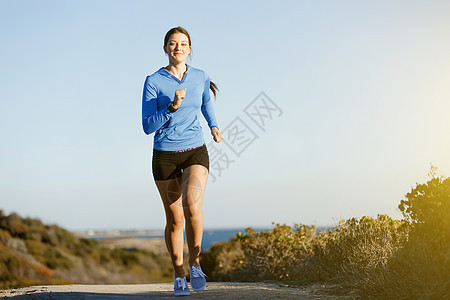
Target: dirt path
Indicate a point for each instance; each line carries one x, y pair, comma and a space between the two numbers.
214, 290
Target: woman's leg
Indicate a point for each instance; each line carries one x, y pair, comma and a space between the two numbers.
194, 183
171, 195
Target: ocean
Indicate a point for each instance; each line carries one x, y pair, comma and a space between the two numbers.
211, 236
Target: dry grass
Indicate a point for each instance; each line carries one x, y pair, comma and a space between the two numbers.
378, 257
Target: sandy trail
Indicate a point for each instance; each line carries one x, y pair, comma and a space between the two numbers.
214, 290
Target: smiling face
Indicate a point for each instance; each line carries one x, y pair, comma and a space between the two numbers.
177, 48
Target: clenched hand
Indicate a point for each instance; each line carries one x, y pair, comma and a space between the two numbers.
179, 96
217, 136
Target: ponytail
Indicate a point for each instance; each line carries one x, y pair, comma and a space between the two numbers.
213, 88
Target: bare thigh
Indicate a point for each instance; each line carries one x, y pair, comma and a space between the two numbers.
184, 191
171, 194
194, 184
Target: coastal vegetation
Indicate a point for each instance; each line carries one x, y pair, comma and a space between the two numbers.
371, 257
378, 257
33, 253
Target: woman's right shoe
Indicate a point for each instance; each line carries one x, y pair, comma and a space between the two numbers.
180, 287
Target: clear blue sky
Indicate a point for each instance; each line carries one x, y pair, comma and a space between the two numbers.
363, 86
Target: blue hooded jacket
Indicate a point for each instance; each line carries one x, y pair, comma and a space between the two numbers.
181, 129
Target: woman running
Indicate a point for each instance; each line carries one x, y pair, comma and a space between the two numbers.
172, 100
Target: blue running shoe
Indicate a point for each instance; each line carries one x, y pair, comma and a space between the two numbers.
198, 281
180, 287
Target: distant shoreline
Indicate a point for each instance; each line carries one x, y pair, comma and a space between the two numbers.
210, 236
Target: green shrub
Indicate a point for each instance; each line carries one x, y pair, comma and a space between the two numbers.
14, 225
54, 259
222, 260
422, 268
379, 257
126, 258
357, 250
275, 254
4, 236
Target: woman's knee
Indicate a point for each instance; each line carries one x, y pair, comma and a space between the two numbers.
174, 222
193, 212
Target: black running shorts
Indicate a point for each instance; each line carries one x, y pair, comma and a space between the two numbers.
170, 164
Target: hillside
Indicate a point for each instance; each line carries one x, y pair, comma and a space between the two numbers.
35, 253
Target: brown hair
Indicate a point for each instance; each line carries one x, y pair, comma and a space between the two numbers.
179, 29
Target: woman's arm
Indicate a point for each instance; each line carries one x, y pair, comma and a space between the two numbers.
152, 120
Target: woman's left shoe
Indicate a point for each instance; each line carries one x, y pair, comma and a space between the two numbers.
198, 281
